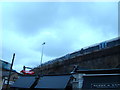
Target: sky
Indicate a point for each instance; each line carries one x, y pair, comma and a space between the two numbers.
65, 27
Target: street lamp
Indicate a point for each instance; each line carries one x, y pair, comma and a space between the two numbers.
42, 53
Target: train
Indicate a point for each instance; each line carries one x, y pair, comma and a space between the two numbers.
86, 50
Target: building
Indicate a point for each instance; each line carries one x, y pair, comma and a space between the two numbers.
5, 69
96, 79
79, 79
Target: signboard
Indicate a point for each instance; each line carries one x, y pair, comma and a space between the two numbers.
109, 81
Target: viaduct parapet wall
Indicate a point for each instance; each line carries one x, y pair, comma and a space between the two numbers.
100, 59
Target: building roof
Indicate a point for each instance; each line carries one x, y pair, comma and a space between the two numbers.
6, 73
5, 66
53, 82
97, 71
24, 82
44, 82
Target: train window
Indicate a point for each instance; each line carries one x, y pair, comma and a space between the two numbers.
67, 56
95, 48
111, 44
103, 45
73, 55
82, 51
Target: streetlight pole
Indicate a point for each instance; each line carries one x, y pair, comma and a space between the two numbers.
41, 58
42, 54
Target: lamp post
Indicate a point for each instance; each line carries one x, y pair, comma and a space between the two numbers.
42, 53
41, 58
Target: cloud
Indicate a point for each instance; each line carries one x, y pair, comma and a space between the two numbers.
29, 17
69, 36
14, 43
65, 27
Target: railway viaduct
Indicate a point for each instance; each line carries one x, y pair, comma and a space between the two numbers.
101, 59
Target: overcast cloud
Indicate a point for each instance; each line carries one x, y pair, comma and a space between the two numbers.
65, 27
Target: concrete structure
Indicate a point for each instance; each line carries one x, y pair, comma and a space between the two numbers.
99, 56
